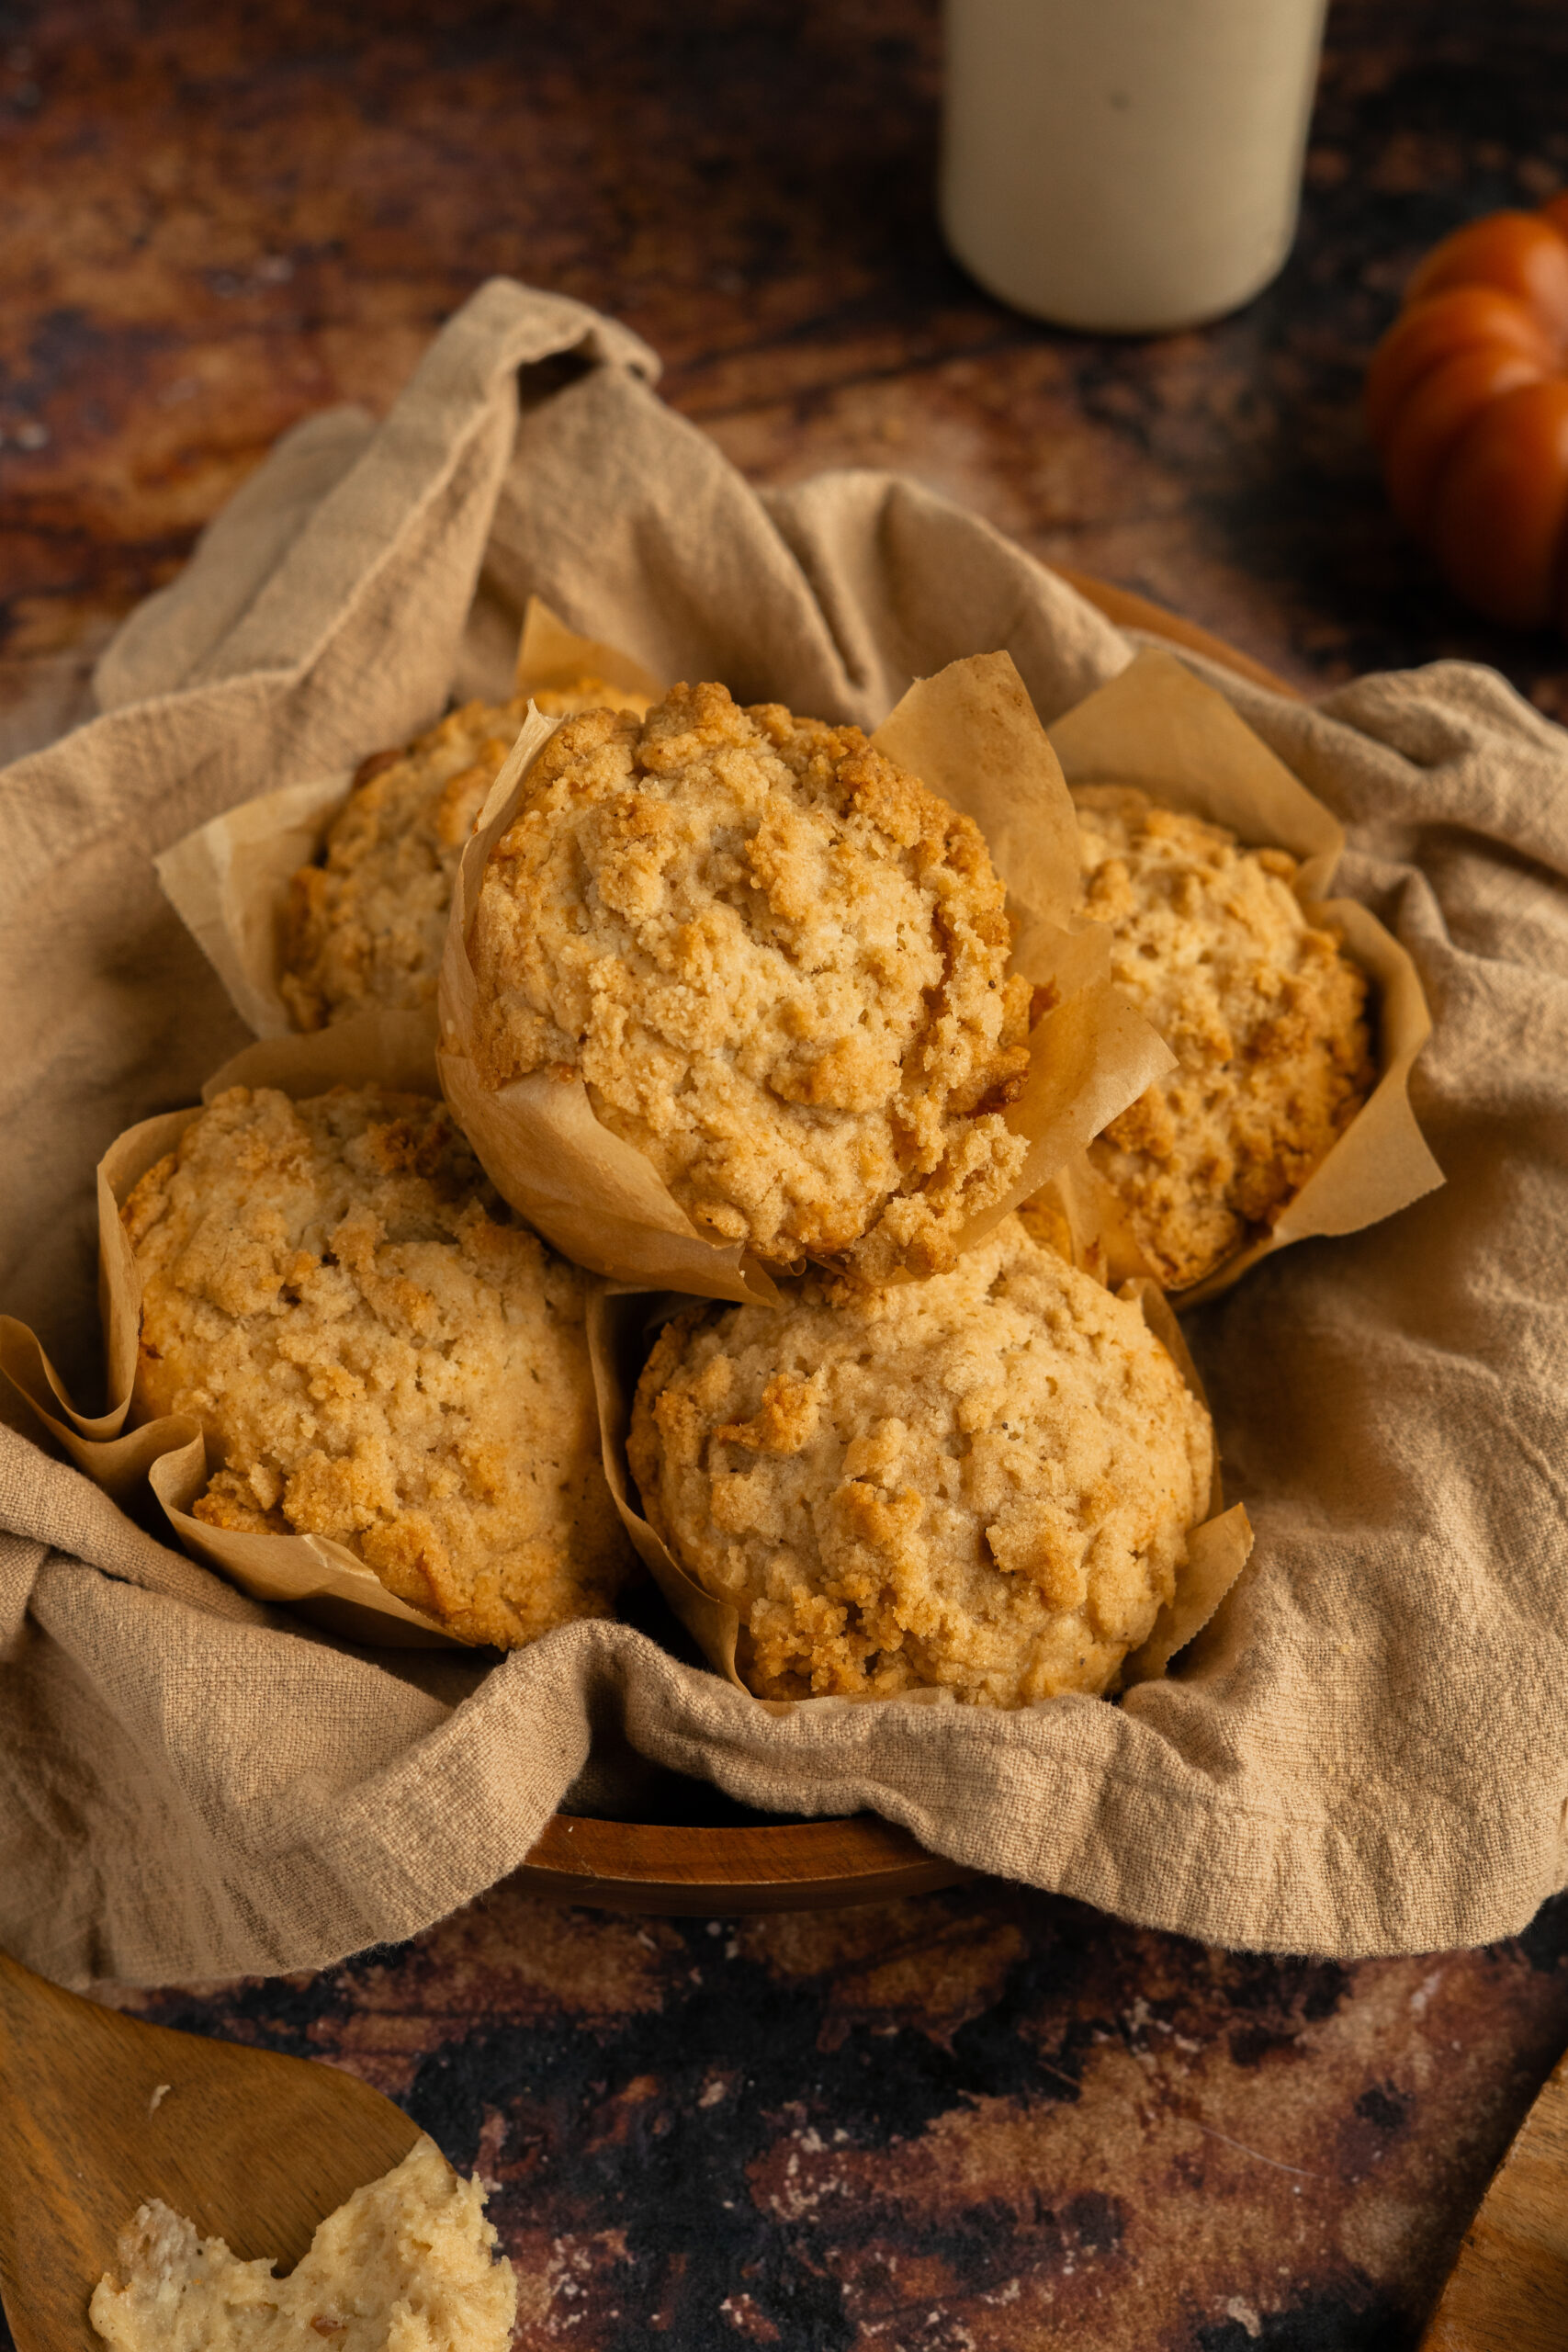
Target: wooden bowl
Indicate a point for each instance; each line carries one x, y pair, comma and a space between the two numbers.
718, 1868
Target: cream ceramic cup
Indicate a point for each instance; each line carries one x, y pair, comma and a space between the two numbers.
1126, 166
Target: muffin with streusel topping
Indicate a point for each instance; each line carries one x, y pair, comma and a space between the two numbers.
778, 963
983, 1482
378, 1352
365, 923
1266, 1014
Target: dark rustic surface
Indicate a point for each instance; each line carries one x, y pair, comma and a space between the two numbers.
982, 2121
988, 2119
218, 219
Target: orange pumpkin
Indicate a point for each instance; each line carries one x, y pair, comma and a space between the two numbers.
1467, 399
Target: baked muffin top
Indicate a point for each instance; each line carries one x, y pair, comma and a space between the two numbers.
984, 1481
778, 963
366, 922
1264, 1012
379, 1352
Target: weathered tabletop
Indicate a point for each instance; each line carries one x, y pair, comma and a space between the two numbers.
986, 2120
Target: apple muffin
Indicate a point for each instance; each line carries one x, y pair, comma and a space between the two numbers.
983, 1482
778, 964
1266, 1014
365, 923
378, 1350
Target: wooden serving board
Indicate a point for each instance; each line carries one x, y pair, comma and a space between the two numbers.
796, 1865
1508, 2290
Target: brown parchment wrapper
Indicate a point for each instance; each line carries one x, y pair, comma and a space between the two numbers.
1157, 727
228, 881
550, 654
971, 733
311, 1574
228, 884
622, 1323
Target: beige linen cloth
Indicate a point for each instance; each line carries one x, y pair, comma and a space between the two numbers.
1365, 1752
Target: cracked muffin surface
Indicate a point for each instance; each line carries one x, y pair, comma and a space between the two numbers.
377, 1351
1265, 1014
366, 922
778, 963
984, 1481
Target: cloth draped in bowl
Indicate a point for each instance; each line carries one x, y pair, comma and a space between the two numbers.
1367, 1751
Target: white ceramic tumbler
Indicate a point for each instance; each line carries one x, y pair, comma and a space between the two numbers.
1126, 166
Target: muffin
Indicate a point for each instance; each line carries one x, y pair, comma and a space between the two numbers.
379, 1352
364, 924
1265, 1014
779, 966
983, 1482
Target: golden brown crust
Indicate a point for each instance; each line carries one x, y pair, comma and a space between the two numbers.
1265, 1014
984, 1481
379, 1354
778, 963
366, 922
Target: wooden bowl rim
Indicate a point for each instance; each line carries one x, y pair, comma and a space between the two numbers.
753, 1853
657, 1866
703, 1871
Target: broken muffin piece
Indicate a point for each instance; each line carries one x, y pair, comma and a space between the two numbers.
408, 2264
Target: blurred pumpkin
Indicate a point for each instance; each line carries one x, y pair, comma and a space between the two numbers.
1467, 400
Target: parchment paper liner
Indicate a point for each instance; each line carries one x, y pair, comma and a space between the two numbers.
621, 1325
1157, 727
972, 734
229, 879
320, 1579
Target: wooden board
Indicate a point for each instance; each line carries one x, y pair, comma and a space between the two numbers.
1508, 2290
809, 1865
102, 2112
